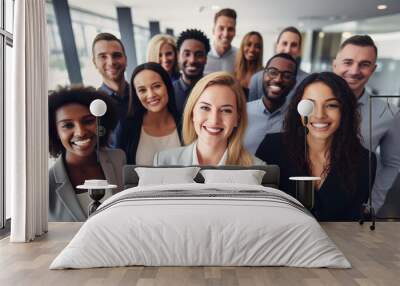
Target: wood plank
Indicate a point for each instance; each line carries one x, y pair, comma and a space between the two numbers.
374, 255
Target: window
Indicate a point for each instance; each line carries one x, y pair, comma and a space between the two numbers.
8, 73
9, 15
6, 43
86, 25
57, 68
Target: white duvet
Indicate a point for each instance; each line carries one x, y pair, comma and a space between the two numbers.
225, 225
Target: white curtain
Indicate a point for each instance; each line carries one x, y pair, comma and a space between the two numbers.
26, 123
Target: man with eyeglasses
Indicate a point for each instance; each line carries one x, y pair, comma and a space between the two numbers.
266, 114
288, 42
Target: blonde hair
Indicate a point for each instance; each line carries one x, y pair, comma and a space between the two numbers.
154, 47
242, 66
237, 155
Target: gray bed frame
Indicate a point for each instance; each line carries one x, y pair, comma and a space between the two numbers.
271, 178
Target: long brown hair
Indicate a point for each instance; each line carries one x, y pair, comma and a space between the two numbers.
237, 155
242, 66
345, 147
135, 107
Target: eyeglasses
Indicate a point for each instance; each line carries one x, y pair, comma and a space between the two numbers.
274, 73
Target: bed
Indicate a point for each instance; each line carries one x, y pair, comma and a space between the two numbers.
201, 224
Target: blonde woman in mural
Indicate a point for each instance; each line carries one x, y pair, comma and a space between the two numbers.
214, 122
162, 49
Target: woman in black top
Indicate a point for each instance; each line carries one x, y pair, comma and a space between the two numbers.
334, 151
151, 112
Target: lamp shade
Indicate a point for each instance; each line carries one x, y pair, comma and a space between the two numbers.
98, 107
305, 107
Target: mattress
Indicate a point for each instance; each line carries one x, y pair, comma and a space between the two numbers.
201, 225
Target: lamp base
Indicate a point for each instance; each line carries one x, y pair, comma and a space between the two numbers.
305, 192
96, 195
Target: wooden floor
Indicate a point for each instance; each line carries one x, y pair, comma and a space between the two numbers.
375, 256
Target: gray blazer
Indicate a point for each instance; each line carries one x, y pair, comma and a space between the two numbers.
183, 156
63, 203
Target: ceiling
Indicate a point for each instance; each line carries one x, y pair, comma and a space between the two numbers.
386, 24
266, 16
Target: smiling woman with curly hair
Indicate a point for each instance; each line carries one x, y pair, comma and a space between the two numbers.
72, 140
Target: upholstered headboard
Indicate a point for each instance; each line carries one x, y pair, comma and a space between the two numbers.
270, 179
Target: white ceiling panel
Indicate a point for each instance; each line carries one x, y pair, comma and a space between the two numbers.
262, 15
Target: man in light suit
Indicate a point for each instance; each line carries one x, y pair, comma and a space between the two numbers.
356, 62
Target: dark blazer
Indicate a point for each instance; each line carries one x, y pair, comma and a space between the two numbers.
127, 136
63, 202
333, 201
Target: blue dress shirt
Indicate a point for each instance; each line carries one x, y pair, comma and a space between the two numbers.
121, 102
261, 122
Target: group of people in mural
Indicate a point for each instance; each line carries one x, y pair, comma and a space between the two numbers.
201, 103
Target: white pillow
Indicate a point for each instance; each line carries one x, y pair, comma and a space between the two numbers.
249, 177
163, 176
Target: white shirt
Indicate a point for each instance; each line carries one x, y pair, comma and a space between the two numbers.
261, 122
221, 162
150, 145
